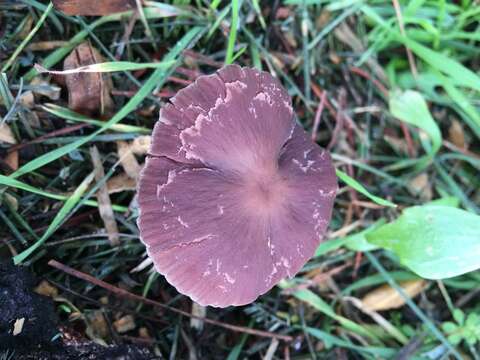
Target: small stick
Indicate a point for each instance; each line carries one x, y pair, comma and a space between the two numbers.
55, 133
128, 295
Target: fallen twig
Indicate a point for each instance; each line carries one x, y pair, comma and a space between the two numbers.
126, 294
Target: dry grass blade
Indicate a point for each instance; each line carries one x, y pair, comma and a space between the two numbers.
200, 311
104, 203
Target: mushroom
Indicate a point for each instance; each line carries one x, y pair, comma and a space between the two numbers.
234, 195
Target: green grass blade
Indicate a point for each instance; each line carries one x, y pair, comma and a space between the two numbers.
70, 115
232, 37
59, 54
7, 181
316, 302
334, 341
420, 314
57, 221
361, 189
27, 39
156, 79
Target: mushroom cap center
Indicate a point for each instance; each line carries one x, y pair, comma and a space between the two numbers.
265, 191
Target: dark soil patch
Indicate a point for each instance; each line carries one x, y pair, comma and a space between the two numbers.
29, 326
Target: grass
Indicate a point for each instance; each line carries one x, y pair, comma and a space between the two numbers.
47, 209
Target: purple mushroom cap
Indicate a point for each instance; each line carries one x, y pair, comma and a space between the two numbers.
234, 195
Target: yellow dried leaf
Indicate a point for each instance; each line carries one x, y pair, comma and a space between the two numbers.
385, 297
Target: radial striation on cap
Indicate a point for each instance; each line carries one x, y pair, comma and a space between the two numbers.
234, 195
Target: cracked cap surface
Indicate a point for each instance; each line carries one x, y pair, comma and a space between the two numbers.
234, 195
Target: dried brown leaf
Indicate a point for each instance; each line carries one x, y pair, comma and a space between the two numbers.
127, 159
88, 93
12, 200
98, 324
143, 333
456, 134
12, 160
93, 7
6, 134
322, 20
104, 203
46, 289
399, 144
420, 186
385, 297
141, 144
120, 183
27, 99
124, 324
43, 87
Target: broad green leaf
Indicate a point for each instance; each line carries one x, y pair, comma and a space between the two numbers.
446, 201
411, 107
435, 242
361, 189
57, 221
355, 242
358, 241
330, 245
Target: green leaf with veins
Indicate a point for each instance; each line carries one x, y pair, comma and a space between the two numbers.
435, 242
